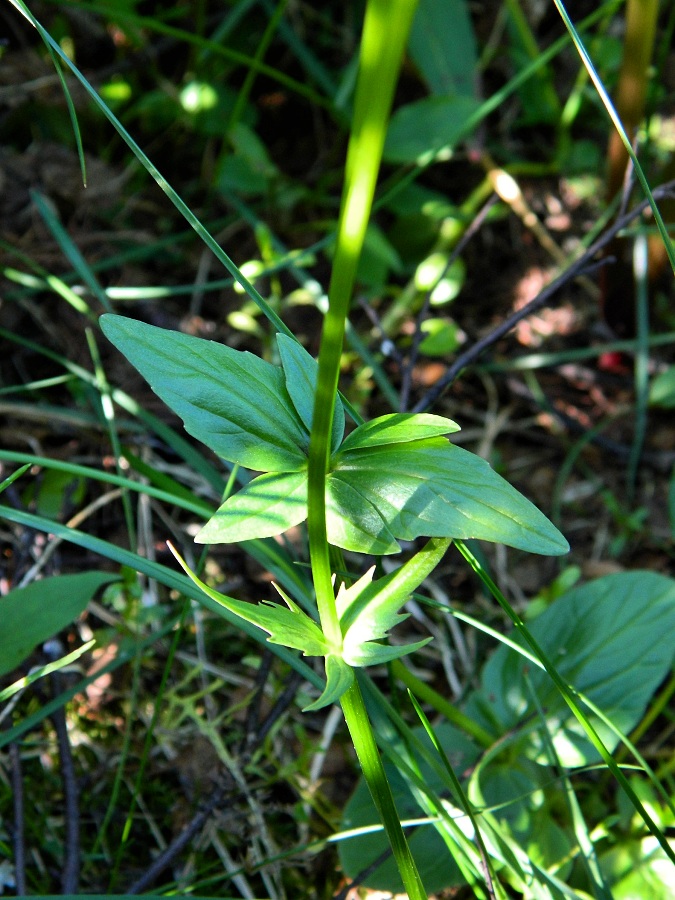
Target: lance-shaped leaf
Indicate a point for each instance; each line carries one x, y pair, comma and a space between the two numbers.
232, 401
301, 372
268, 505
290, 627
433, 488
396, 428
339, 678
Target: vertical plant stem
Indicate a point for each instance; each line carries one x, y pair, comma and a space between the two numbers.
385, 32
356, 716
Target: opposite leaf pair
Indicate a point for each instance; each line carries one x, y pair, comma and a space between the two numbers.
394, 478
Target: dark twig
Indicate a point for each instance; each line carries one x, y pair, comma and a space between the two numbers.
253, 712
18, 836
582, 265
178, 844
283, 702
70, 876
471, 231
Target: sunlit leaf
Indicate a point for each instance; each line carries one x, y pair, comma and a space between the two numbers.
268, 505
397, 428
367, 613
232, 401
339, 678
290, 627
353, 521
433, 488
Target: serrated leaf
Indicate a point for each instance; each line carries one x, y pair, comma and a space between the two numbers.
433, 488
372, 654
267, 505
232, 401
289, 627
397, 428
611, 639
368, 610
339, 678
301, 373
33, 614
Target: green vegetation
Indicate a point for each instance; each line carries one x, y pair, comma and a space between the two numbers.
358, 173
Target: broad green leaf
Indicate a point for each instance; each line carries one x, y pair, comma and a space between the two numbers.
268, 505
289, 627
339, 678
442, 45
611, 639
638, 868
443, 336
232, 401
33, 614
397, 428
662, 389
353, 522
433, 488
420, 130
300, 371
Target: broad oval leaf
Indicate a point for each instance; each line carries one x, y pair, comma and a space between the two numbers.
33, 614
611, 639
232, 401
420, 130
433, 488
442, 45
397, 428
268, 505
301, 372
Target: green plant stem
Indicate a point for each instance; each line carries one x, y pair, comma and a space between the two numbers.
385, 32
356, 716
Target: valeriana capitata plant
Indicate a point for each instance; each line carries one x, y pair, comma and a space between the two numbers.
395, 478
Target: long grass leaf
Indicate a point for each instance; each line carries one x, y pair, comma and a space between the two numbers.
616, 121
150, 167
